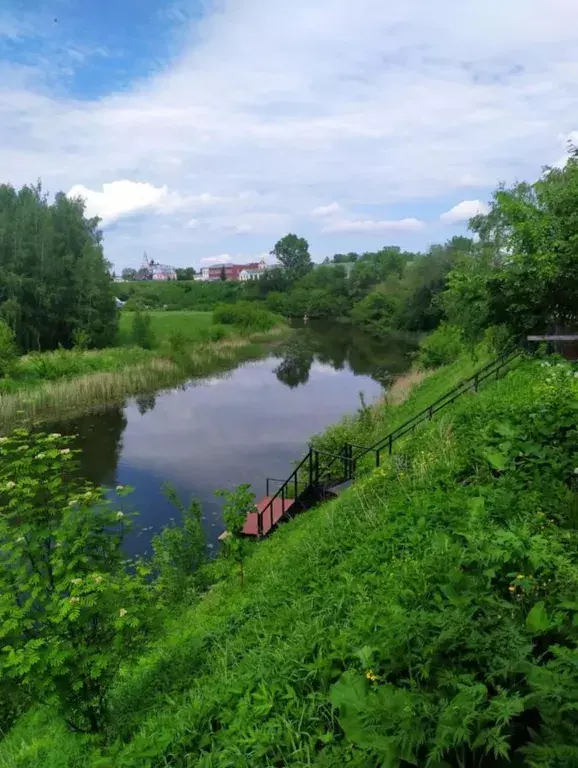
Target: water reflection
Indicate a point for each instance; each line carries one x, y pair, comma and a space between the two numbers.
241, 427
340, 346
99, 439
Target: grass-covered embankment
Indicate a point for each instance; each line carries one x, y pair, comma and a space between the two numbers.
428, 616
183, 344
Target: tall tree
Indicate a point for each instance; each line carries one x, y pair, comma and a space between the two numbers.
185, 273
293, 253
55, 284
128, 273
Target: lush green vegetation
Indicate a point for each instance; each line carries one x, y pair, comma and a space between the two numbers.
192, 326
156, 350
427, 616
177, 295
55, 286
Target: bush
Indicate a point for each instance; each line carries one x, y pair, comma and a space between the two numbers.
441, 347
142, 332
69, 611
179, 552
8, 351
246, 316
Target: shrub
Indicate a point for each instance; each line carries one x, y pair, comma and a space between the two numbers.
246, 316
8, 351
441, 347
179, 551
142, 332
69, 611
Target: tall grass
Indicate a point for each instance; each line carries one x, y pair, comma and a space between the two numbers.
114, 374
373, 629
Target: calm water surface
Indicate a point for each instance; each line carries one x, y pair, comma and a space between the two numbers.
241, 427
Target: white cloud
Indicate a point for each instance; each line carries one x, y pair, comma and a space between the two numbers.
326, 210
192, 224
119, 198
369, 225
224, 258
464, 211
381, 104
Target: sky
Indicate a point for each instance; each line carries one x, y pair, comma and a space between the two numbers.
203, 131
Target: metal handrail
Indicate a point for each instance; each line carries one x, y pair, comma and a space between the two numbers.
350, 461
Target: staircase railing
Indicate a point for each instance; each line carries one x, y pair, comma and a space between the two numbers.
313, 471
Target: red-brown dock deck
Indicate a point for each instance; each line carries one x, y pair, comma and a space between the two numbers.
270, 518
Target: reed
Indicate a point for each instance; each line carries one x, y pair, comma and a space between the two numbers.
48, 399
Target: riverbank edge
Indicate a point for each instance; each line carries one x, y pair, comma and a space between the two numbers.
90, 392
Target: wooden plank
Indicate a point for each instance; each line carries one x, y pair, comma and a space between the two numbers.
271, 517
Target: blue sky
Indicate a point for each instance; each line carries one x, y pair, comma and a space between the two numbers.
207, 130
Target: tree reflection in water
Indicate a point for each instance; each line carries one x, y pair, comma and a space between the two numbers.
341, 345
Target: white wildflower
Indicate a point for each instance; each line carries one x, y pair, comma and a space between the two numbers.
74, 600
119, 515
40, 456
122, 612
98, 578
76, 581
64, 451
55, 435
3, 439
120, 487
10, 484
576, 470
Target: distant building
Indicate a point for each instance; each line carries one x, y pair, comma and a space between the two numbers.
250, 274
163, 272
235, 272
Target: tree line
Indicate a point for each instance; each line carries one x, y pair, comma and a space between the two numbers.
516, 274
55, 284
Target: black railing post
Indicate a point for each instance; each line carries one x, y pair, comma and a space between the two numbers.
316, 470
476, 382
295, 489
311, 466
390, 444
377, 457
259, 523
430, 412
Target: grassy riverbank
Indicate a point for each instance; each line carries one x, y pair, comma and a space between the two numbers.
67, 382
426, 616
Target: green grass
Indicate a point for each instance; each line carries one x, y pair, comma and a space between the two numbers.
451, 581
49, 385
383, 417
193, 326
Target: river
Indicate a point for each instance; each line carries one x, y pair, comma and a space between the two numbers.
241, 427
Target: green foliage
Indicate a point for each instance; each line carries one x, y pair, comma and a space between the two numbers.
142, 332
179, 552
246, 316
441, 347
186, 273
8, 351
178, 294
525, 271
238, 504
376, 312
69, 612
54, 281
428, 615
293, 253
